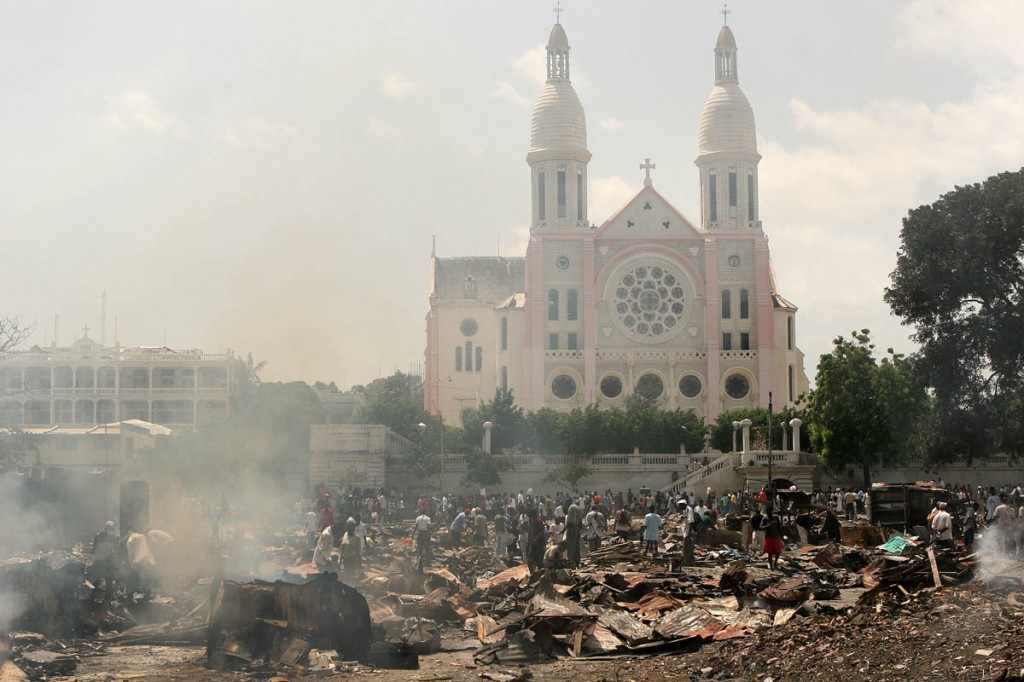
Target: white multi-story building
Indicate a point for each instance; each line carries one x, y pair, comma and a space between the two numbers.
685, 313
88, 384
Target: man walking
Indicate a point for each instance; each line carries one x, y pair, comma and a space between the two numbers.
573, 530
652, 522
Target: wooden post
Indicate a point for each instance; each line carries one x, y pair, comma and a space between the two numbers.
935, 567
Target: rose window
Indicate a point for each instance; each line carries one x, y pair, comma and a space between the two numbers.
649, 301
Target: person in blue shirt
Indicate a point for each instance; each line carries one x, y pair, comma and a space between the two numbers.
458, 525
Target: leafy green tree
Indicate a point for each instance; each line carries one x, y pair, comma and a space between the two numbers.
545, 428
860, 407
485, 469
396, 402
425, 458
509, 427
722, 430
569, 475
959, 281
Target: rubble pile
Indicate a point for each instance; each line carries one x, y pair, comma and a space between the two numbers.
620, 605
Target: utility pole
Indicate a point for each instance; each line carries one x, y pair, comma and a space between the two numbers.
771, 481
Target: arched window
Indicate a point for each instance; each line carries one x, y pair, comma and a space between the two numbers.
570, 305
712, 197
751, 207
542, 203
561, 193
744, 304
789, 333
458, 358
791, 387
726, 304
504, 333
553, 304
469, 356
504, 378
581, 214
479, 358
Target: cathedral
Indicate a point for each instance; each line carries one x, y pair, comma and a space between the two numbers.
687, 315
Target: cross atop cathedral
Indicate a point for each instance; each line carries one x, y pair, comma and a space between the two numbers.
558, 11
85, 330
725, 13
647, 166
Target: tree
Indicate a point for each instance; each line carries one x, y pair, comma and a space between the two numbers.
13, 332
425, 458
484, 468
959, 281
569, 475
396, 402
861, 410
509, 427
722, 430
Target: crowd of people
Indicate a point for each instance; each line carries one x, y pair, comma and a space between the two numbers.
556, 531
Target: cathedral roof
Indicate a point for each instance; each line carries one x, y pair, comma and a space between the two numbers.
558, 121
486, 278
558, 37
727, 121
726, 38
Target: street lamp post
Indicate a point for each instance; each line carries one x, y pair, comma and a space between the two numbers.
487, 437
423, 427
682, 443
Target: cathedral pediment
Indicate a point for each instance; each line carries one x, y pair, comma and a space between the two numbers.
648, 215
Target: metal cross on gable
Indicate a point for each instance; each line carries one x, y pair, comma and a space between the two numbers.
647, 167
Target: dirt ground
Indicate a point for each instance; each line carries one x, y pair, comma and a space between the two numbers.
970, 633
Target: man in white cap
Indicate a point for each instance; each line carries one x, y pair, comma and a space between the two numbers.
942, 527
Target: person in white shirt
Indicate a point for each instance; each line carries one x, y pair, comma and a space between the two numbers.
323, 554
555, 530
942, 526
652, 522
422, 528
686, 528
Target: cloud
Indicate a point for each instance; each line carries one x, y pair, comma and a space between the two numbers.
256, 133
985, 34
397, 85
611, 123
514, 240
858, 170
608, 195
383, 128
508, 92
533, 64
137, 109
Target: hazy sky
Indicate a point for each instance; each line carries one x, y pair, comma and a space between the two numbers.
266, 176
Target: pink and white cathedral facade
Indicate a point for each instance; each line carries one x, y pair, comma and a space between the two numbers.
648, 302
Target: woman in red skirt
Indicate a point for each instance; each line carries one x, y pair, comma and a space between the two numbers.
772, 539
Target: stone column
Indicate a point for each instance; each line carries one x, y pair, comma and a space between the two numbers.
796, 424
746, 435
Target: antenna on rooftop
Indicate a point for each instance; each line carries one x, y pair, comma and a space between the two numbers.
103, 321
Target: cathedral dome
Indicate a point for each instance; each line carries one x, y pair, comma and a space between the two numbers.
727, 121
725, 38
558, 37
558, 120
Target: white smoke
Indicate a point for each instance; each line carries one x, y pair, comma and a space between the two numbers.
997, 551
